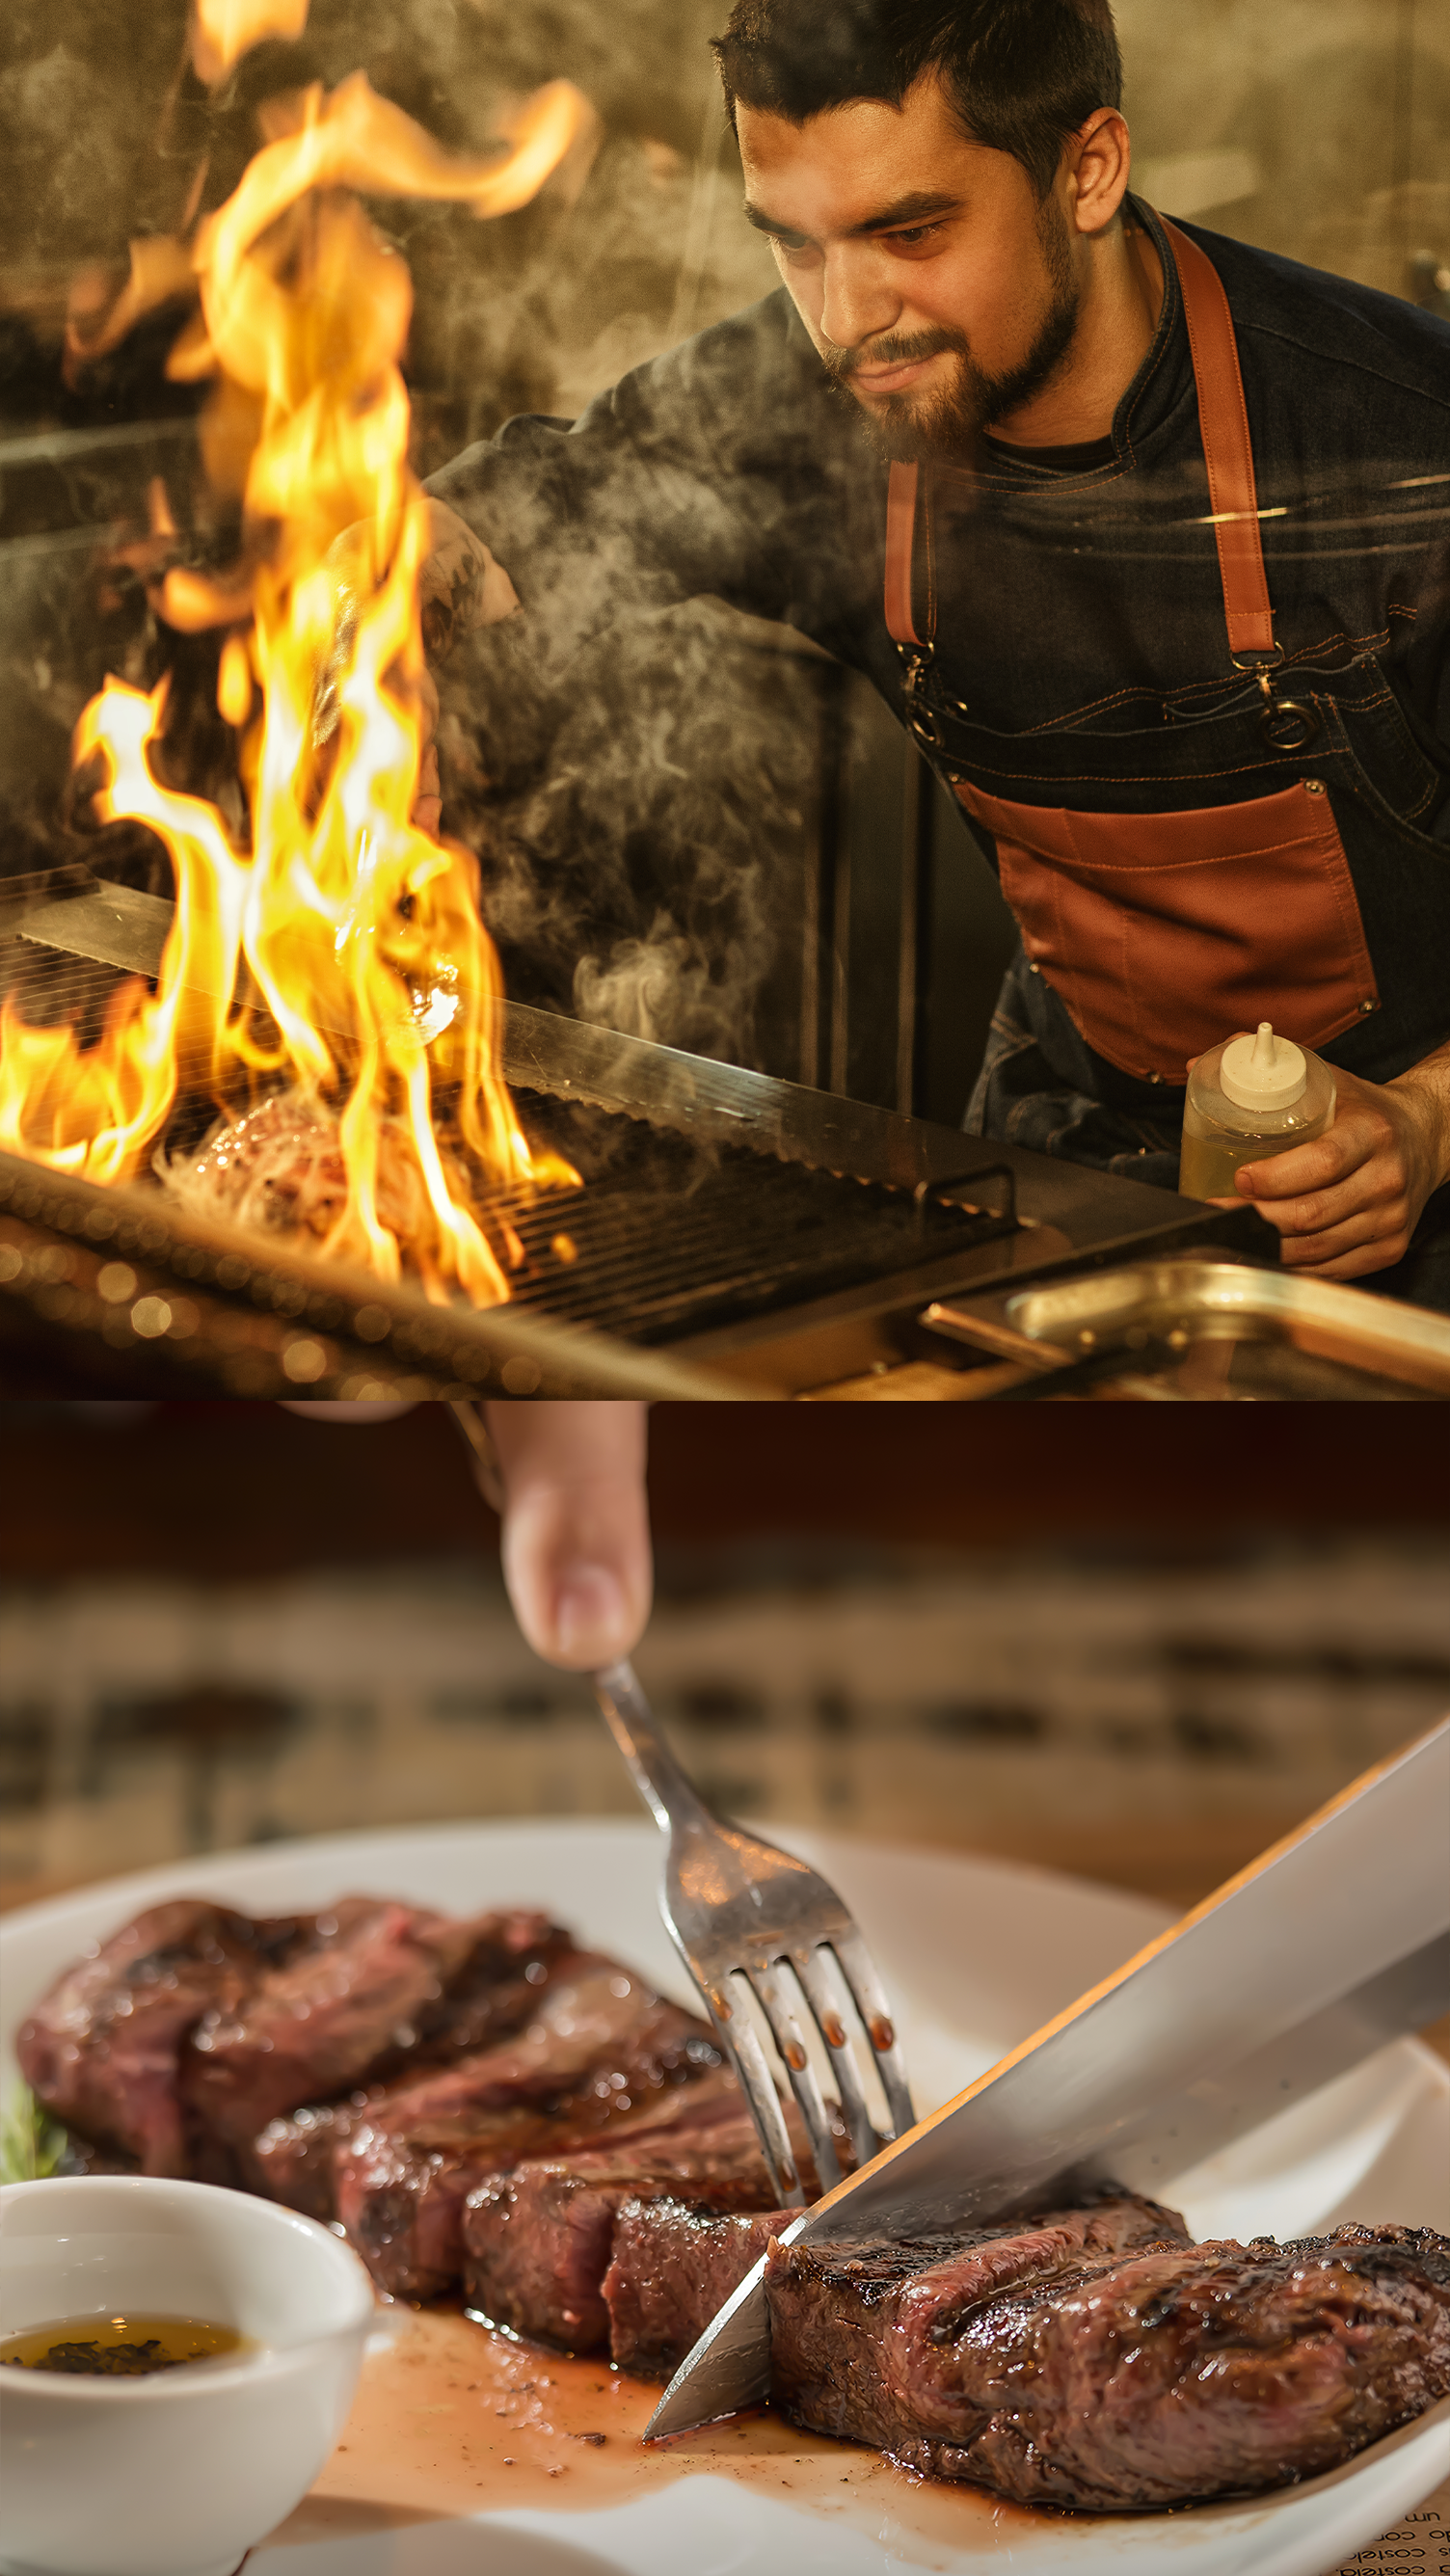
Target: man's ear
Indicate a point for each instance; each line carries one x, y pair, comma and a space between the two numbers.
1098, 159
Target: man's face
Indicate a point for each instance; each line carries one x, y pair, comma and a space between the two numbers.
937, 288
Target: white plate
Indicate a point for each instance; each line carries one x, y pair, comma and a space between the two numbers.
975, 1954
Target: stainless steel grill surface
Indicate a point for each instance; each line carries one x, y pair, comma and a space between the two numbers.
734, 1234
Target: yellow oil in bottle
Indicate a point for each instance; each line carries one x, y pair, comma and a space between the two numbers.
1209, 1163
121, 2347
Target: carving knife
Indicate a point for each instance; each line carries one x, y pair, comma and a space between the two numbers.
1333, 1942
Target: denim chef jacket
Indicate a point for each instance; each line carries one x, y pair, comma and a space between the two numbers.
1080, 661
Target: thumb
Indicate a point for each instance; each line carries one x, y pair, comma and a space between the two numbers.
576, 1543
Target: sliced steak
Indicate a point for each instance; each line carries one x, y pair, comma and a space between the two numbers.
103, 2048
672, 2267
377, 1981
602, 2047
538, 2241
498, 1988
1113, 2378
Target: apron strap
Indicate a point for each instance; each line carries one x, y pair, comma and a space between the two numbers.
1224, 426
900, 532
1228, 454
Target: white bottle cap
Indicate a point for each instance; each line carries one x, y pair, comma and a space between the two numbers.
1263, 1072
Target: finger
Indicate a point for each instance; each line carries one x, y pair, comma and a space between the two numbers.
1373, 1192
1361, 1263
1357, 1234
1349, 1143
576, 1543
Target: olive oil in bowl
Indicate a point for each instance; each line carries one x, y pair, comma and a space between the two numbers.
122, 2347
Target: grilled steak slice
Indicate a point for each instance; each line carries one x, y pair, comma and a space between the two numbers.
103, 2049
1120, 2379
538, 2241
376, 1981
499, 1987
602, 2046
672, 2267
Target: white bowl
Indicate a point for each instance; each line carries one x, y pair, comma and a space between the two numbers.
176, 2474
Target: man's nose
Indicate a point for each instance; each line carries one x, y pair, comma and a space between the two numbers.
858, 299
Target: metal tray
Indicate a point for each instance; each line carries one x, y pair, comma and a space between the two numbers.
1201, 1331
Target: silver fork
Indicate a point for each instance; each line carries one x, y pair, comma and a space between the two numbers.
747, 1920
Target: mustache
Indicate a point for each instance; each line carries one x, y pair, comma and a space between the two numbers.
892, 349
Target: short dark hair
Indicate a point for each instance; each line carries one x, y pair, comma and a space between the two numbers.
1022, 74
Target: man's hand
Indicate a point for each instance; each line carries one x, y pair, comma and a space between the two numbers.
1348, 1203
576, 1543
461, 587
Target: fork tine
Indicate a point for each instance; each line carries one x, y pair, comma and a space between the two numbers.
780, 1992
820, 1973
865, 1985
742, 2039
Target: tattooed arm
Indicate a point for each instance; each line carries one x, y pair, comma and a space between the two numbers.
461, 585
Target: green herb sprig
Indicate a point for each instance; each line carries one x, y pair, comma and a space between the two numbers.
31, 2142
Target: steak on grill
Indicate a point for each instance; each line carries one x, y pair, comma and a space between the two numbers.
1076, 2362
603, 2046
672, 2266
538, 2241
103, 2049
380, 1981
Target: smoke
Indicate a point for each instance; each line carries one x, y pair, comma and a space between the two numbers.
657, 987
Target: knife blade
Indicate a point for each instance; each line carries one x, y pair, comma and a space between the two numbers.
1334, 1941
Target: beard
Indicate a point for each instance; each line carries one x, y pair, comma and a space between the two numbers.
946, 425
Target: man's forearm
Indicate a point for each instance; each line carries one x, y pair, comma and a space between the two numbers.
461, 586
1426, 1088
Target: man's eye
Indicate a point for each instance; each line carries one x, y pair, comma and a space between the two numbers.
912, 237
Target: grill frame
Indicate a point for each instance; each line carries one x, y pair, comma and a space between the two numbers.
63, 1232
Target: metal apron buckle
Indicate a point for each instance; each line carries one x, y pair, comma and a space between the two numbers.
921, 719
1287, 723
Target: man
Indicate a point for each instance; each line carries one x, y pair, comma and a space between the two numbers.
1144, 534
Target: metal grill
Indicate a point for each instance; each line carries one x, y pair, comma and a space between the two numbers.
672, 1233
668, 1246
735, 1234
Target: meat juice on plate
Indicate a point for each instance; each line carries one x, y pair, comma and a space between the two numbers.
451, 2419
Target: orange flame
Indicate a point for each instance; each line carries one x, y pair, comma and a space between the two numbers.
359, 932
223, 30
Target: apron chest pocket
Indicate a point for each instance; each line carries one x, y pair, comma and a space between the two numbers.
1161, 933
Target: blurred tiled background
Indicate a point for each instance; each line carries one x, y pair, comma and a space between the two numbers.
1140, 1662
1130, 1720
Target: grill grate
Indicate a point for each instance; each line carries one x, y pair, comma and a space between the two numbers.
668, 1239
679, 1246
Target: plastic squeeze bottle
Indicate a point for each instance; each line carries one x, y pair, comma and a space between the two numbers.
1248, 1099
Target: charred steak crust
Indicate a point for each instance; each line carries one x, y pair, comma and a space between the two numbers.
602, 2047
538, 2241
1117, 2378
672, 2267
378, 1981
103, 2049
498, 1988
